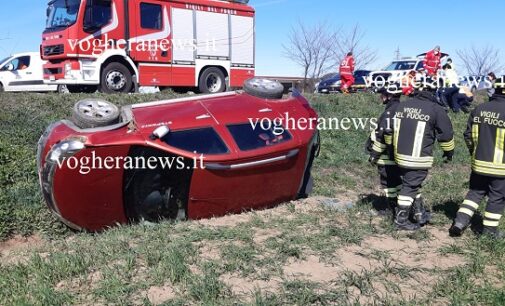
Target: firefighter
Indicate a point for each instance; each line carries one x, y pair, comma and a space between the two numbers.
418, 123
380, 148
485, 138
347, 73
432, 62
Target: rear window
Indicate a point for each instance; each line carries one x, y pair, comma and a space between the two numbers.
201, 141
249, 138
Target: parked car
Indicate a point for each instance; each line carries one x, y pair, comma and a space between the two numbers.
397, 69
24, 72
244, 166
331, 83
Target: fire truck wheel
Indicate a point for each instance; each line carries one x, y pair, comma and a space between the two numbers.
116, 78
92, 113
263, 88
212, 80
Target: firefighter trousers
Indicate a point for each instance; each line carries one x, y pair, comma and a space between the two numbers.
481, 186
412, 182
390, 179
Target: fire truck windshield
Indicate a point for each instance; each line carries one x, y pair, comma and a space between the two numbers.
61, 14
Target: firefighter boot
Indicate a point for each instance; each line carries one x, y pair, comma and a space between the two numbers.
459, 225
493, 232
402, 222
419, 212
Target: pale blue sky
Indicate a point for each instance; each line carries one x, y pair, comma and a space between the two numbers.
413, 26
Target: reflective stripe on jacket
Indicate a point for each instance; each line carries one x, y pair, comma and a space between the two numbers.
418, 123
485, 137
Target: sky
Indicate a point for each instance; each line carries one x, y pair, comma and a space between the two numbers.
412, 26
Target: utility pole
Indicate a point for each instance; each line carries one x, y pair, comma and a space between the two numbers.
397, 52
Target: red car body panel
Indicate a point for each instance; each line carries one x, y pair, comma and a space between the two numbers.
96, 200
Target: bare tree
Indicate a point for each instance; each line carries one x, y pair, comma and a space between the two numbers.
481, 61
312, 48
320, 48
352, 41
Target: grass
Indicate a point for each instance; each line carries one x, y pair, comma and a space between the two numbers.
203, 263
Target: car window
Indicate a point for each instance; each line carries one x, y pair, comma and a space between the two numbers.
19, 63
150, 16
201, 141
249, 138
420, 65
403, 65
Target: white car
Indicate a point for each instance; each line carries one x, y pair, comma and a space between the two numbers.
24, 72
395, 71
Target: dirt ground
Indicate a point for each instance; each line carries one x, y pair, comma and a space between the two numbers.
376, 254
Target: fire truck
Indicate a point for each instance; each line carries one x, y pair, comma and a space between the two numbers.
119, 45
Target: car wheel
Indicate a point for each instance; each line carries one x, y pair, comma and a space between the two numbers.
91, 113
116, 78
2, 87
62, 89
263, 88
212, 80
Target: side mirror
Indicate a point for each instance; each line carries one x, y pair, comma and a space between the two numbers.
160, 132
9, 67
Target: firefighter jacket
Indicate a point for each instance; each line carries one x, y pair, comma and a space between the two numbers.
418, 123
485, 137
380, 143
347, 66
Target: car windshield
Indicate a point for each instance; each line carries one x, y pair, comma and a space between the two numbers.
2, 62
62, 13
403, 65
329, 76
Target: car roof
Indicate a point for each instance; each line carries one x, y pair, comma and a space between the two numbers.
36, 54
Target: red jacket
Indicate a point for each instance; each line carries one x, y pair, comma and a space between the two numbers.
432, 63
347, 66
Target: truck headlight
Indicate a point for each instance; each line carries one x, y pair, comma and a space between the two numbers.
68, 70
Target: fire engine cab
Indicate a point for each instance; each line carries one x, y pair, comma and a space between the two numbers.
118, 45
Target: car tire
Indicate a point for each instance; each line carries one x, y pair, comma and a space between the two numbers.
2, 87
116, 78
212, 81
62, 89
264, 88
92, 113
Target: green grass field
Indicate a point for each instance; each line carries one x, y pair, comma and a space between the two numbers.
296, 254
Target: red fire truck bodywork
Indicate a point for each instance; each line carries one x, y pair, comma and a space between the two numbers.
191, 43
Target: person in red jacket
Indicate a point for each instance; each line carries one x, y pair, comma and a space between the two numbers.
432, 62
347, 73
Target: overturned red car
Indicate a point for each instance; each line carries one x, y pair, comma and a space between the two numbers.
193, 157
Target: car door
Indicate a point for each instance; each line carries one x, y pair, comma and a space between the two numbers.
150, 41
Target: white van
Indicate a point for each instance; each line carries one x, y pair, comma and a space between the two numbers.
24, 72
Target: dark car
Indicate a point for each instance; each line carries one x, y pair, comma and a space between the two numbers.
331, 84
